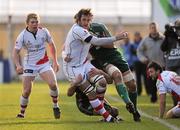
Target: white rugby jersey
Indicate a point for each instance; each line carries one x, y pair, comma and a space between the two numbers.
75, 46
166, 83
35, 45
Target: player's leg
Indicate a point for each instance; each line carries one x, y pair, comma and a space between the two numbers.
132, 90
97, 105
48, 75
97, 80
24, 99
116, 75
174, 112
130, 83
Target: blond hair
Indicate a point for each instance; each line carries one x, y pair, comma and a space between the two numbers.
32, 15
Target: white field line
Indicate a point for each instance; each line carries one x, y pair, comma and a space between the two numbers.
163, 122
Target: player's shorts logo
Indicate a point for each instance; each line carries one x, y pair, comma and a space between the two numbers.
28, 71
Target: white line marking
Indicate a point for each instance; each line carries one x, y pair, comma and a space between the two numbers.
163, 122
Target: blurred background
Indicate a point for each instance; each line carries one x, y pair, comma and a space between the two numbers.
57, 16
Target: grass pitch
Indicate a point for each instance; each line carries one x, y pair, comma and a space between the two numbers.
39, 114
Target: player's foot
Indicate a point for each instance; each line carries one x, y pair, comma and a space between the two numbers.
130, 107
112, 120
20, 115
136, 116
118, 118
57, 112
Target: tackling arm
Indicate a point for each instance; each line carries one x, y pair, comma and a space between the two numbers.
106, 40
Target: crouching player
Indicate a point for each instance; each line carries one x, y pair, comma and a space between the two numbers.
167, 82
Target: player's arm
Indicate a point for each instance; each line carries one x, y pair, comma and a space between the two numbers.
54, 56
162, 104
16, 58
74, 84
105, 40
16, 53
140, 52
52, 48
86, 37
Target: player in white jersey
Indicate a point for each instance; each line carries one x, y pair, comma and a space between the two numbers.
167, 82
75, 61
36, 61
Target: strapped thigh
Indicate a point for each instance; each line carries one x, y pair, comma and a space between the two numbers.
128, 77
111, 69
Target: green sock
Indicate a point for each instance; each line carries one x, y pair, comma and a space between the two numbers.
133, 98
122, 91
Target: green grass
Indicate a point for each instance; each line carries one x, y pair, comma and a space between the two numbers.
39, 114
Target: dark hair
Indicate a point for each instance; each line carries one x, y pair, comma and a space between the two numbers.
152, 23
154, 65
81, 12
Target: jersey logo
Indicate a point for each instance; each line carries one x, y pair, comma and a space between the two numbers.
28, 71
85, 32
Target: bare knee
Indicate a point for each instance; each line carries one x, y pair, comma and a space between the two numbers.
27, 85
53, 84
131, 85
26, 91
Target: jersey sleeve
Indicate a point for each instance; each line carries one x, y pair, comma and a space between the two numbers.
48, 36
19, 41
81, 34
161, 88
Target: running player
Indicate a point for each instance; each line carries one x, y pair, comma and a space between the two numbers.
75, 61
108, 58
36, 61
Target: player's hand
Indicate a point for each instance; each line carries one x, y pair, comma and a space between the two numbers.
121, 35
55, 67
19, 69
74, 85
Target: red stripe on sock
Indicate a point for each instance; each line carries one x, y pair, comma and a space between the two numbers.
99, 107
106, 114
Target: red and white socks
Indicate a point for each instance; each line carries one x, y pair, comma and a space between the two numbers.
54, 94
99, 107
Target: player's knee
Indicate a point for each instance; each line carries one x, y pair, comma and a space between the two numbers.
26, 93
131, 85
54, 92
52, 84
117, 76
98, 80
128, 76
